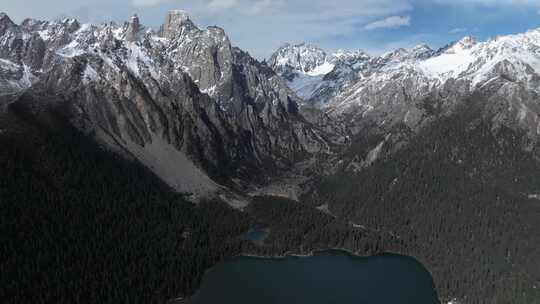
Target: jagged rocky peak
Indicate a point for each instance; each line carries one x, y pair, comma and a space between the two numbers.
301, 57
422, 51
30, 24
351, 56
175, 22
5, 23
467, 42
464, 43
4, 16
314, 74
311, 60
71, 24
218, 31
191, 98
422, 47
133, 28
397, 55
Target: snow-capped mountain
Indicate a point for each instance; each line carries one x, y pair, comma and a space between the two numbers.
182, 100
305, 58
312, 73
400, 85
302, 65
396, 86
187, 90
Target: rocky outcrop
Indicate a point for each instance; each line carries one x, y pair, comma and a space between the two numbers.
5, 23
133, 29
175, 22
184, 102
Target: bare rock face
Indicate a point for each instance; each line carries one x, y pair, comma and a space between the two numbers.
175, 22
184, 102
133, 29
30, 48
5, 23
253, 96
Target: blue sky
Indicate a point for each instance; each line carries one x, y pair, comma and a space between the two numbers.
260, 26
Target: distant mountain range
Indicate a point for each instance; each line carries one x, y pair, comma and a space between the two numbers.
386, 86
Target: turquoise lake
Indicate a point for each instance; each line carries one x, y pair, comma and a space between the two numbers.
327, 277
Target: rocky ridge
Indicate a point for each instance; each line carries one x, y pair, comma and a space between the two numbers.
413, 87
183, 101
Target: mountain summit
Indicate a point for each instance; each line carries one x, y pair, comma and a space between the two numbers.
311, 72
175, 21
184, 102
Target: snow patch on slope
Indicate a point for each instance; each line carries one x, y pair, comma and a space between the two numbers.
304, 85
476, 61
9, 65
71, 50
137, 58
322, 69
449, 65
534, 196
89, 74
373, 155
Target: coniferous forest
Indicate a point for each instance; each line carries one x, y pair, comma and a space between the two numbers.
84, 225
457, 196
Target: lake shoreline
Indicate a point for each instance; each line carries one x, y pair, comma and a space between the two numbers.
293, 254
312, 253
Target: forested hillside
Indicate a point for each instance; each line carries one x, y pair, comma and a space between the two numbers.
461, 198
85, 225
82, 225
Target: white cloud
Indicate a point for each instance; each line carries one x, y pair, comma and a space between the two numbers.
260, 26
457, 30
222, 4
258, 7
389, 23
148, 2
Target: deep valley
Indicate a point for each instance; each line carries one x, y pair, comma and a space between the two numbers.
133, 160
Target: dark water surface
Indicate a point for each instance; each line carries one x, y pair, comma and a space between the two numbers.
255, 235
327, 277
